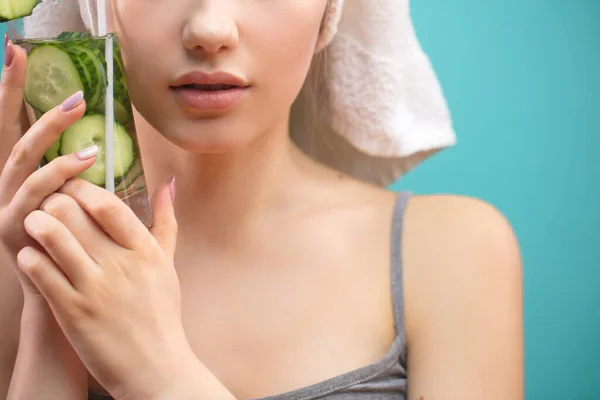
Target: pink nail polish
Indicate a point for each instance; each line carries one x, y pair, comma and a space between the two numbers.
72, 102
173, 189
87, 153
9, 55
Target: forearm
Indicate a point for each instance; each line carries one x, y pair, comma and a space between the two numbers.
200, 384
11, 305
183, 378
47, 367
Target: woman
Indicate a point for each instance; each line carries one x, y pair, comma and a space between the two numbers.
265, 274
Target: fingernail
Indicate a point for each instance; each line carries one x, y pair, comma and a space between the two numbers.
72, 101
5, 40
9, 55
172, 187
87, 153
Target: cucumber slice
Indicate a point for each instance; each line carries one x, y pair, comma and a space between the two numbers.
121, 104
88, 131
134, 173
119, 68
15, 9
123, 112
51, 77
86, 39
52, 152
84, 66
94, 73
73, 35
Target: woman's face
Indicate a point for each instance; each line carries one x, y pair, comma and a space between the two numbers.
265, 46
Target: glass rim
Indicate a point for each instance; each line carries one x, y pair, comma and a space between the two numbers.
50, 39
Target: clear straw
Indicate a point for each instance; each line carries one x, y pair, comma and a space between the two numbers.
108, 99
101, 5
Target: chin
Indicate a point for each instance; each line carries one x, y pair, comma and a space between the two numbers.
210, 135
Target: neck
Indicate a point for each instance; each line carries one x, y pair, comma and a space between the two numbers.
223, 191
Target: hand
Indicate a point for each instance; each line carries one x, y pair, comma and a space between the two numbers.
22, 186
112, 286
45, 359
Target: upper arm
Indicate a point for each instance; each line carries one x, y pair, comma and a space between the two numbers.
463, 302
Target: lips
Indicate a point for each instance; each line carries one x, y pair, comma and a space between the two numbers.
209, 92
210, 79
209, 88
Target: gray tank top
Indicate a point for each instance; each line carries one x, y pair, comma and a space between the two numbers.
385, 379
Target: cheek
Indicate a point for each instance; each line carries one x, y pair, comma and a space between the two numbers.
145, 48
282, 45
144, 40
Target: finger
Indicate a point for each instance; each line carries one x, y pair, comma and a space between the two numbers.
46, 181
12, 86
46, 276
29, 150
92, 238
110, 212
61, 246
11, 100
164, 227
11, 135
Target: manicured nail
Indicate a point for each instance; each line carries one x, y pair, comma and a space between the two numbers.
5, 40
87, 153
172, 187
72, 101
9, 55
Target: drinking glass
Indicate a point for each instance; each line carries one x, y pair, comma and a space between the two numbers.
60, 63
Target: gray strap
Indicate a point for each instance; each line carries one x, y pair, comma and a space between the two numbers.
396, 261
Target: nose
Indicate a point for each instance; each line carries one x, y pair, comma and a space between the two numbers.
211, 29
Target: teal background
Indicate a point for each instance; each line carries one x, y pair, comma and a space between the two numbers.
522, 78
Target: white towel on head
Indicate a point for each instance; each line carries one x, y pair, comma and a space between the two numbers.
379, 110
382, 108
385, 97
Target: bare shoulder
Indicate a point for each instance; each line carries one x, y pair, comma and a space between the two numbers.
463, 299
466, 244
463, 227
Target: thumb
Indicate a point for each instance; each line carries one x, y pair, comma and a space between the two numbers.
164, 226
